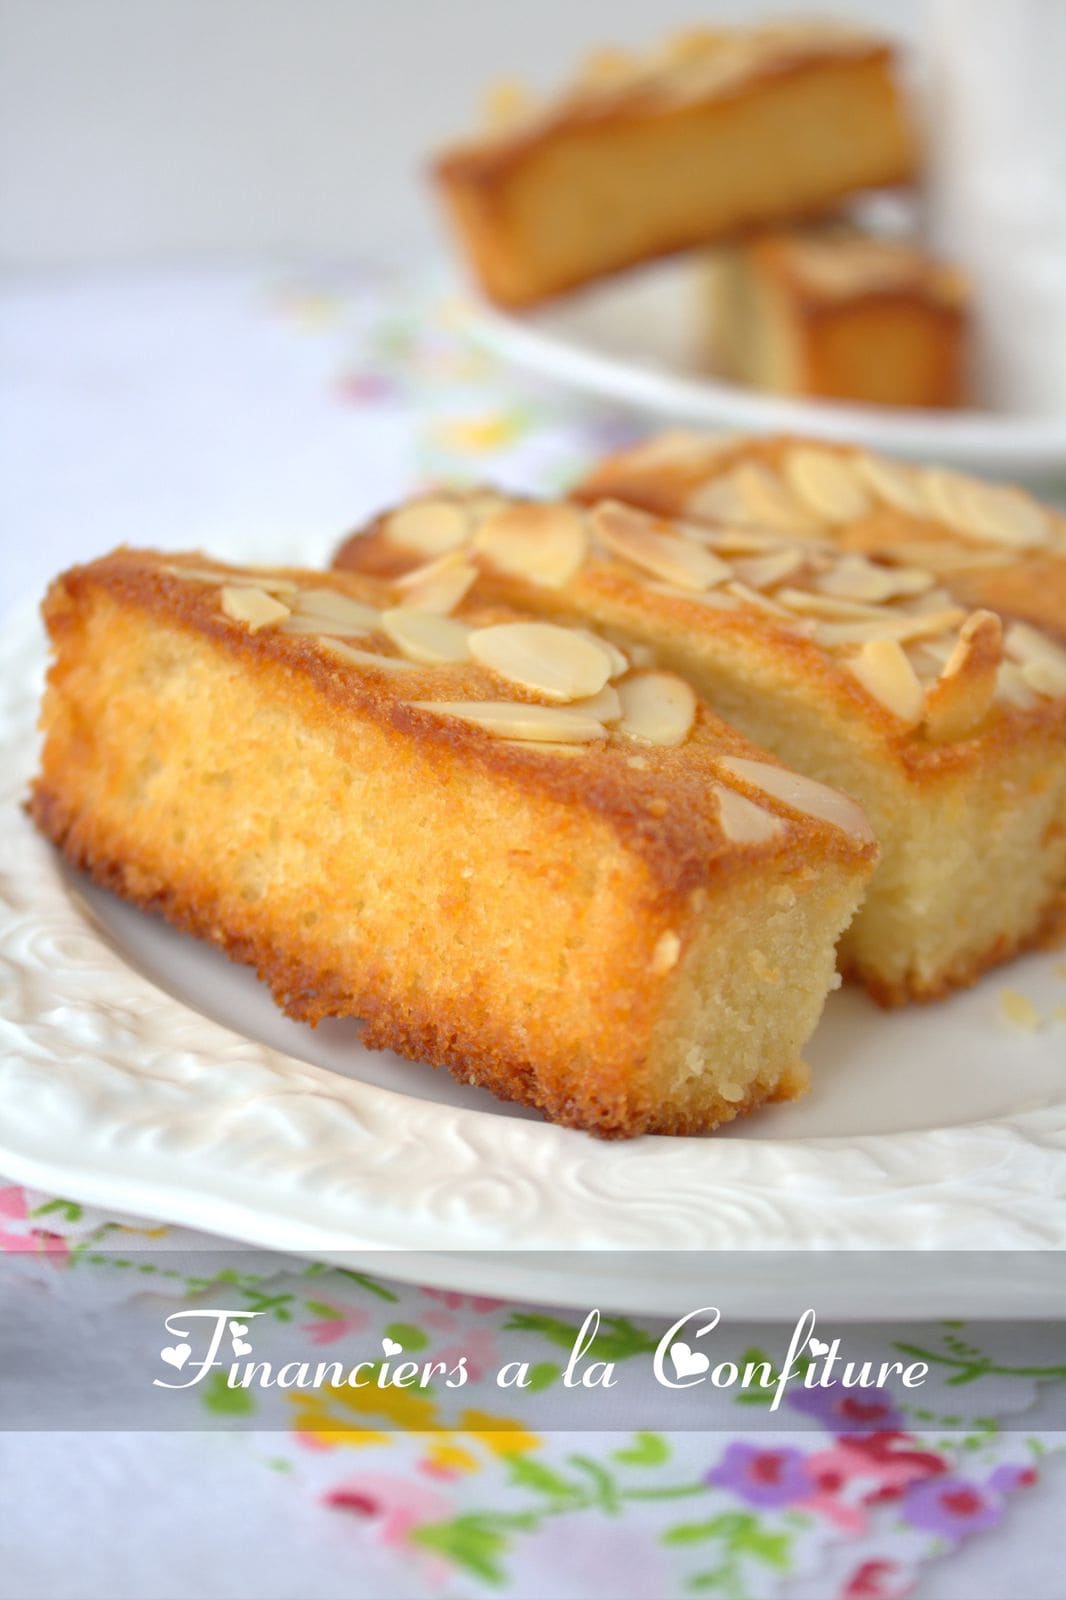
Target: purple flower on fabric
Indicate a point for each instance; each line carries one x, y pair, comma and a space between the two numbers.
846, 1410
1010, 1476
766, 1478
952, 1506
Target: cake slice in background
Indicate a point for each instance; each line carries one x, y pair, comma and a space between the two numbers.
717, 133
835, 313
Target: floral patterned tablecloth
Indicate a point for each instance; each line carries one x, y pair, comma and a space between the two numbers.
412, 1494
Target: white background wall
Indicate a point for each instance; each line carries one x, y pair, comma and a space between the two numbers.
134, 130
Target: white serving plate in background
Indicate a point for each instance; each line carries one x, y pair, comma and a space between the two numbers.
632, 340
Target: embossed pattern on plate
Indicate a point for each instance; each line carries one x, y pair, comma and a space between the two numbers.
116, 1090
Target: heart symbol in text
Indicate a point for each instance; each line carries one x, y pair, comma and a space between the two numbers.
176, 1355
390, 1347
687, 1362
818, 1347
241, 1347
238, 1328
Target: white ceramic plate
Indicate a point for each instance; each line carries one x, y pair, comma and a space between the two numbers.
630, 340
140, 1071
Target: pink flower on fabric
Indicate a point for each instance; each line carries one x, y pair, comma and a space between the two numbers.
395, 1506
455, 1301
479, 1348
951, 1506
35, 1241
761, 1477
876, 1580
329, 1329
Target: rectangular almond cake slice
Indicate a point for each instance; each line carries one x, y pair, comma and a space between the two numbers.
505, 845
718, 132
894, 682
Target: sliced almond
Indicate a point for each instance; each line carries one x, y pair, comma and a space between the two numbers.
827, 485
1004, 515
760, 602
1012, 689
716, 599
853, 577
1042, 661
430, 527
254, 607
426, 637
658, 707
439, 585
890, 625
512, 720
802, 794
248, 577
546, 747
332, 606
766, 501
744, 822
985, 511
763, 572
739, 541
647, 543
365, 658
560, 663
620, 662
544, 544
810, 604
898, 486
959, 700
885, 673
606, 706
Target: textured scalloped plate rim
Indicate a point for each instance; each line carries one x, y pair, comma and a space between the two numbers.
116, 1093
581, 342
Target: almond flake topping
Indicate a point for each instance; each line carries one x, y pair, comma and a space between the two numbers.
246, 578
254, 607
365, 658
985, 511
853, 577
766, 502
1041, 661
802, 794
330, 611
960, 698
557, 662
544, 544
827, 485
431, 527
514, 720
439, 585
425, 637
743, 822
658, 707
898, 486
641, 539
763, 572
885, 672
899, 625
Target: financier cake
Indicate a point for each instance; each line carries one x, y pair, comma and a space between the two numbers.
718, 132
896, 682
512, 848
838, 314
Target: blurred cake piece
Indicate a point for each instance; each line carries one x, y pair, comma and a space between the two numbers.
838, 314
716, 133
